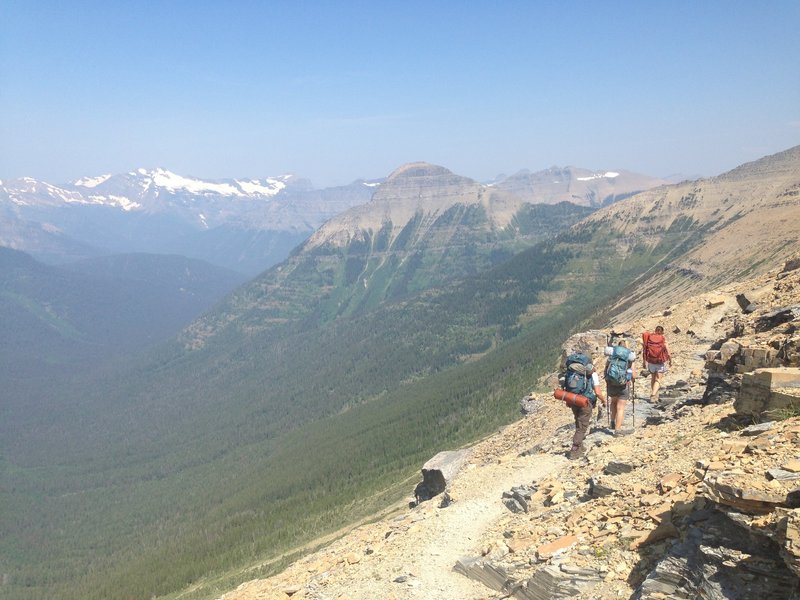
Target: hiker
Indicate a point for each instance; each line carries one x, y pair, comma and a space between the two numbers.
655, 359
618, 374
581, 378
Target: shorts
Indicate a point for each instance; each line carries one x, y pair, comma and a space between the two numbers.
656, 368
617, 391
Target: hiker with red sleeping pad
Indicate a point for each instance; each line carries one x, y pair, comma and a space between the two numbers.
655, 359
580, 391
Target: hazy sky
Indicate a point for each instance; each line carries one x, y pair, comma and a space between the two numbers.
336, 91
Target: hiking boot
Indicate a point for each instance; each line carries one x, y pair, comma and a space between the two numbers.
576, 453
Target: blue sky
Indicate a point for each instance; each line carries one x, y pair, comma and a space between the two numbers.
336, 91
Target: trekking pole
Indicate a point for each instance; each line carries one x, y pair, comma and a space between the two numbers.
633, 395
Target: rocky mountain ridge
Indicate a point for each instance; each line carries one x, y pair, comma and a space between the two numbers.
251, 224
751, 211
574, 184
246, 225
431, 190
695, 502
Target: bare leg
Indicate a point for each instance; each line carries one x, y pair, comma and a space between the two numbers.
655, 385
619, 414
612, 410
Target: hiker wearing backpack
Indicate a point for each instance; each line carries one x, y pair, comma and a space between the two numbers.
618, 374
655, 359
581, 379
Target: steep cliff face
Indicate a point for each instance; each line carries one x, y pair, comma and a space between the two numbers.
691, 503
416, 191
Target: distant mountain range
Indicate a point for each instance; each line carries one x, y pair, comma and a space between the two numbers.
572, 184
246, 225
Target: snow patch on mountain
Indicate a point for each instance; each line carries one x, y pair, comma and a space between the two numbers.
110, 200
173, 182
269, 187
607, 175
91, 182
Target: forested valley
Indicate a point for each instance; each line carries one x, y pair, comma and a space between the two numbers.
181, 468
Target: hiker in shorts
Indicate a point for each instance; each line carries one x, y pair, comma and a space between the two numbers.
583, 417
655, 359
619, 374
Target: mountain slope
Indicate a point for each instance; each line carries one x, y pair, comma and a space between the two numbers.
91, 310
580, 186
657, 493
423, 227
263, 428
747, 220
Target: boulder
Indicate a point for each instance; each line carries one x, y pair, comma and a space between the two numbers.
791, 265
518, 499
592, 343
789, 531
745, 303
778, 317
438, 472
766, 392
726, 488
717, 559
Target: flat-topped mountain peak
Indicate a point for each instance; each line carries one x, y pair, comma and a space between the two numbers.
418, 169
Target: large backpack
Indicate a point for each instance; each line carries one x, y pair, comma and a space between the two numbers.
655, 348
578, 375
617, 367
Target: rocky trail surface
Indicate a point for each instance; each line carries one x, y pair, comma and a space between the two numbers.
696, 501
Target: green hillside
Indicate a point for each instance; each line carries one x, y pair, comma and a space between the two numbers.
310, 397
190, 464
65, 321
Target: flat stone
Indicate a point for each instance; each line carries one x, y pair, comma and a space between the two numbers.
759, 428
520, 544
599, 490
782, 474
669, 481
650, 500
661, 513
488, 574
556, 547
665, 530
551, 583
616, 467
734, 446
